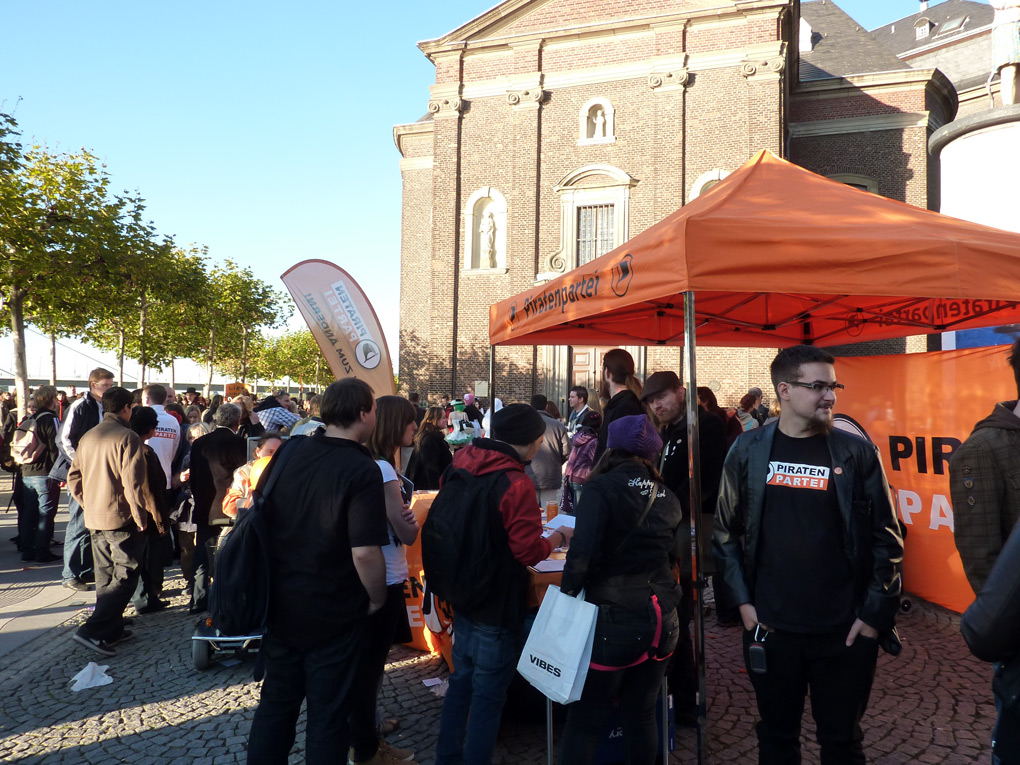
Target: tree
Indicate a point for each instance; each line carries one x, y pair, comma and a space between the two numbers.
292, 354
239, 305
58, 233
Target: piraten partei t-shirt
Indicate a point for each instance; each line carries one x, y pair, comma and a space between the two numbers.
804, 578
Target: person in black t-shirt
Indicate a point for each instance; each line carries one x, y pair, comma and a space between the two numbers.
807, 543
327, 573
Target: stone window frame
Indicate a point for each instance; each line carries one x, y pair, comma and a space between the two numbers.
701, 183
582, 122
500, 217
856, 179
614, 190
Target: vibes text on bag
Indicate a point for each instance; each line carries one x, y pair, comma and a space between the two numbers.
545, 665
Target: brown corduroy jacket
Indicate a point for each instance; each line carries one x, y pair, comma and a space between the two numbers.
984, 482
107, 476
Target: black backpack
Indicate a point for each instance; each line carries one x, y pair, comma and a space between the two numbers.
463, 541
239, 601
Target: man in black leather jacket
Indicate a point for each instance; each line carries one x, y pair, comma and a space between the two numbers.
807, 542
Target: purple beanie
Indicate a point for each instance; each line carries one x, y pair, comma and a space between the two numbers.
635, 434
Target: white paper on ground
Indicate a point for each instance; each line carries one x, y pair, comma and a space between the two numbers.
92, 676
431, 681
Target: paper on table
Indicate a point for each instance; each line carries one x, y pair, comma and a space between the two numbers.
549, 565
562, 520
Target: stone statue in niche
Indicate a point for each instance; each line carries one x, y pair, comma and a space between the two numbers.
487, 241
1006, 47
600, 123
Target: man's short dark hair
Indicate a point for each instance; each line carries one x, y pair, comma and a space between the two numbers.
787, 363
116, 398
45, 397
1014, 361
99, 374
538, 402
581, 392
156, 393
143, 419
345, 400
413, 397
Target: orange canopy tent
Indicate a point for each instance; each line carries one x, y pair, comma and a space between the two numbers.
772, 256
776, 255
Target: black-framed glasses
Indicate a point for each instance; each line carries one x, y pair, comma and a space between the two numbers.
817, 387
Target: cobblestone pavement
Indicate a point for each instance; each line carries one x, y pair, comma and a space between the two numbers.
932, 704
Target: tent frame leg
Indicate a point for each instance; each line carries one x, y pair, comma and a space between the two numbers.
697, 531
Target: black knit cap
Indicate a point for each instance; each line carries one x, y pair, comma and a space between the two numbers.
517, 424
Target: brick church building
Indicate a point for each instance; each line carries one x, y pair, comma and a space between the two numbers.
558, 129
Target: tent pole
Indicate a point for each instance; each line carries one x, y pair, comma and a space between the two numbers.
492, 386
697, 530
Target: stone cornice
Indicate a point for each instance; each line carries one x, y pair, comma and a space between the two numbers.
867, 124
416, 163
459, 39
410, 129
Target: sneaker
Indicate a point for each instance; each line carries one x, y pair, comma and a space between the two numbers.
123, 637
96, 644
76, 584
152, 608
395, 753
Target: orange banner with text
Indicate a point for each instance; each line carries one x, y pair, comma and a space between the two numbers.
918, 408
433, 631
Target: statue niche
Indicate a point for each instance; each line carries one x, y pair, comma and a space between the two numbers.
485, 230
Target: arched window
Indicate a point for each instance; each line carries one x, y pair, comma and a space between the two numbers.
595, 212
596, 122
705, 181
485, 231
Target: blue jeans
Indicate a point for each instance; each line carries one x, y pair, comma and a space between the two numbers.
77, 545
39, 495
484, 662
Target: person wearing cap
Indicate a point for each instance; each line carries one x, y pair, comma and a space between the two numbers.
666, 397
630, 534
488, 639
808, 544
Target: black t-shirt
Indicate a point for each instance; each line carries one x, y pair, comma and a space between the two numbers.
328, 500
804, 579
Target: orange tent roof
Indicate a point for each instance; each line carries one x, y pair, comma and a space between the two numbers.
777, 255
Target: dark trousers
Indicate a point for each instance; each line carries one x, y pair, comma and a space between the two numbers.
634, 688
39, 497
325, 677
150, 580
840, 681
682, 674
117, 555
381, 629
202, 566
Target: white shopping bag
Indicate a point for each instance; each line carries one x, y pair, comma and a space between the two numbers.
556, 656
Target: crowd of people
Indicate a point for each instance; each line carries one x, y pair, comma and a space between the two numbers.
800, 538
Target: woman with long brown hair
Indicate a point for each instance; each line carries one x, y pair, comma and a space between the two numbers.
431, 455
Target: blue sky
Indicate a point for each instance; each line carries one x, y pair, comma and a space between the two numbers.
262, 130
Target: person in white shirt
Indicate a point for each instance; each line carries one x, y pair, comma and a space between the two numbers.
167, 439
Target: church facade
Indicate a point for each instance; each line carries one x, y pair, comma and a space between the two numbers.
558, 129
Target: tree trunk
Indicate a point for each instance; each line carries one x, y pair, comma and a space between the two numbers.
173, 377
17, 304
53, 360
317, 388
244, 354
120, 361
141, 340
212, 352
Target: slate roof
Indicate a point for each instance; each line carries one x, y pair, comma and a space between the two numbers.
841, 45
900, 38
